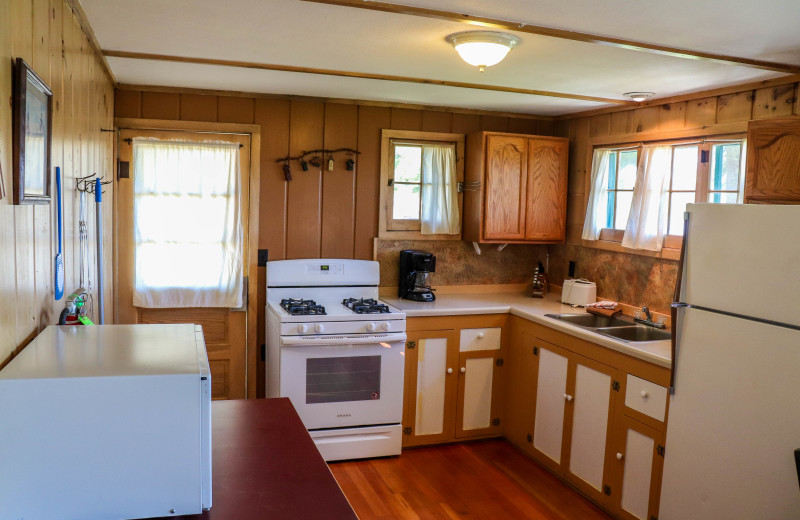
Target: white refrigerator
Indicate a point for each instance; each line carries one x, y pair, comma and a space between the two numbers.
106, 422
734, 413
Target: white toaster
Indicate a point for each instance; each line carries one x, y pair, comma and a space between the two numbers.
578, 292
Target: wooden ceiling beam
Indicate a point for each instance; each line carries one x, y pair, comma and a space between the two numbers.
561, 33
360, 75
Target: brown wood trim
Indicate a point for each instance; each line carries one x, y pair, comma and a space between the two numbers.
734, 130
562, 33
743, 87
361, 75
86, 27
196, 126
341, 101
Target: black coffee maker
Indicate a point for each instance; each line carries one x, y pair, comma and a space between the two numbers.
415, 275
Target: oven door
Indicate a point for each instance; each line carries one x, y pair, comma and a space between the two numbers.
353, 383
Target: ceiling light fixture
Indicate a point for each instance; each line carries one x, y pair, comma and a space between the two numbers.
639, 96
482, 48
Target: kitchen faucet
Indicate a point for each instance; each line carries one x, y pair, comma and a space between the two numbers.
648, 319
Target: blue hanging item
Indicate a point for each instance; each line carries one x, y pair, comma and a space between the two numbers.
59, 264
98, 199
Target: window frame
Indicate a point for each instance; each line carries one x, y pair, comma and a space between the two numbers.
407, 229
612, 238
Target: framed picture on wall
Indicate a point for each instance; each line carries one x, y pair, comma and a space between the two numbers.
32, 129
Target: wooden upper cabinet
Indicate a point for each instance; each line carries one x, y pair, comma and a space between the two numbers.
507, 162
516, 188
546, 218
773, 161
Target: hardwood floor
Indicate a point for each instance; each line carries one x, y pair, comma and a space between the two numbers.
479, 480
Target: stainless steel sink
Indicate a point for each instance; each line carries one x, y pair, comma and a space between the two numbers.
591, 321
636, 333
623, 329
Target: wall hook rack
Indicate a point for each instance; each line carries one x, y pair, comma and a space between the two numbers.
87, 184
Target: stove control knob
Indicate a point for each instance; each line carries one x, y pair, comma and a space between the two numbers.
371, 327
318, 327
302, 328
386, 326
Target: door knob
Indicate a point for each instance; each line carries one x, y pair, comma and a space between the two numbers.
463, 369
449, 370
619, 456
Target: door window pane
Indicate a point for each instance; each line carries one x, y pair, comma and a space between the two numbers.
342, 379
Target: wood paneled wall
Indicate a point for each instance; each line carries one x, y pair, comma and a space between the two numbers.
723, 113
319, 214
47, 35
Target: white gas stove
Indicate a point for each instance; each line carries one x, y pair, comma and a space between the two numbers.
338, 353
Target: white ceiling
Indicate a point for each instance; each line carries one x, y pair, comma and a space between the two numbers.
296, 33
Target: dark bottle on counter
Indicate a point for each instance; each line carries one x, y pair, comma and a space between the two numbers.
539, 282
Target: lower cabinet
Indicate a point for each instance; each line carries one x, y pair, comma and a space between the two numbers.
454, 382
594, 417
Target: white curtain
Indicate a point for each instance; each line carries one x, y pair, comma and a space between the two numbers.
597, 209
647, 222
439, 191
187, 224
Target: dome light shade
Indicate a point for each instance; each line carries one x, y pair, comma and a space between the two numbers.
482, 48
639, 96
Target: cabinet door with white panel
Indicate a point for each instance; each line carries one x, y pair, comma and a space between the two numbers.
479, 387
551, 401
639, 458
431, 387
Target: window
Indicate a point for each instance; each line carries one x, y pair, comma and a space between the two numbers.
621, 178
420, 172
671, 176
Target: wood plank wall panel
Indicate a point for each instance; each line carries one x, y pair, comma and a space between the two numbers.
370, 122
160, 105
47, 35
437, 121
406, 119
193, 107
338, 186
273, 116
305, 197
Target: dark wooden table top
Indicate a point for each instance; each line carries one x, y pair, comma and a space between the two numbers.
265, 466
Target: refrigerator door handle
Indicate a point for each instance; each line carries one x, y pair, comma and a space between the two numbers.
676, 304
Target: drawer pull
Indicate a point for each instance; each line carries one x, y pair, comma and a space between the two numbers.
644, 394
481, 335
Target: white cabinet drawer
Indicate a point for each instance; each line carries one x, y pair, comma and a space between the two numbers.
646, 397
480, 339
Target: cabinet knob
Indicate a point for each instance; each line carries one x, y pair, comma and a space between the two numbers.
644, 394
568, 397
619, 456
480, 335
449, 370
463, 369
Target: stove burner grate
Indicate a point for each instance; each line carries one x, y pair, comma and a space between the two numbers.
365, 306
300, 307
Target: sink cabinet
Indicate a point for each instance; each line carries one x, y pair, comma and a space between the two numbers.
453, 379
579, 410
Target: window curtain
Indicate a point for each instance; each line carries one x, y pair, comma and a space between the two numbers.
597, 209
439, 191
187, 224
647, 222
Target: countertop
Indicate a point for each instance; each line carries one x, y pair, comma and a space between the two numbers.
533, 309
265, 465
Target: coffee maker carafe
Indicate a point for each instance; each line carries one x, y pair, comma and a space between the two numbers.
415, 275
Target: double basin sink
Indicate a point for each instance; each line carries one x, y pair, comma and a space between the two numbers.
617, 328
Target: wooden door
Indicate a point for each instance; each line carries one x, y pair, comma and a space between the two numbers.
225, 330
773, 161
588, 433
506, 179
479, 393
639, 459
521, 380
546, 213
551, 399
430, 397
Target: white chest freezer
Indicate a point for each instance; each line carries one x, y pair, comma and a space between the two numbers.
106, 422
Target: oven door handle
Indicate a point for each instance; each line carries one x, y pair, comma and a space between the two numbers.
361, 339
